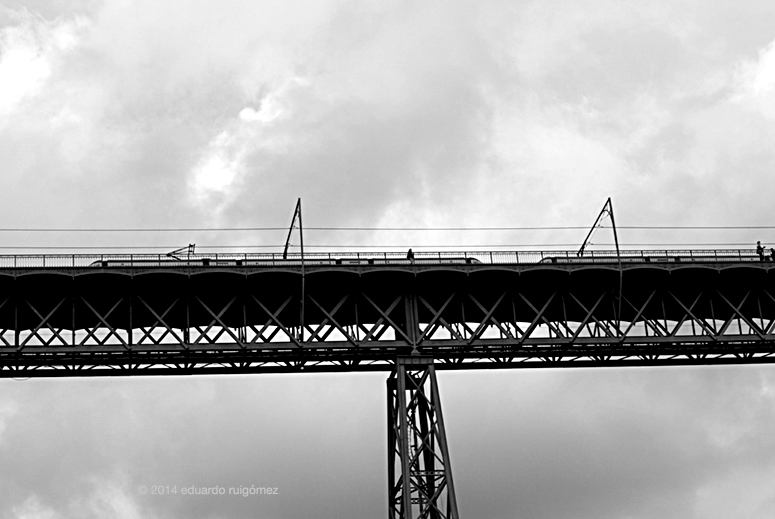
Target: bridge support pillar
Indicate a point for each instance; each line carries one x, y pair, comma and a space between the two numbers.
419, 473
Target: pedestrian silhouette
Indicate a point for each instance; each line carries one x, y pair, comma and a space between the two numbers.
410, 255
760, 250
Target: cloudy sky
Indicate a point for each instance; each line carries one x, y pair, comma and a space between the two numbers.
388, 113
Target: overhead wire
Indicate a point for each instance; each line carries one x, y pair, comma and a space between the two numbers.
27, 247
378, 229
370, 246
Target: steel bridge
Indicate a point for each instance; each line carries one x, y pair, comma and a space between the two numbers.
256, 313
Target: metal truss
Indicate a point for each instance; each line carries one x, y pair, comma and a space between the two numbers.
420, 481
364, 319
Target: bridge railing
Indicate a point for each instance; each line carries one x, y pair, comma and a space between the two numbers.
376, 258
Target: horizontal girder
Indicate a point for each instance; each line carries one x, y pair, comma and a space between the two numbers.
130, 321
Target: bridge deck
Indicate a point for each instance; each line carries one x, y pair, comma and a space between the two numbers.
128, 315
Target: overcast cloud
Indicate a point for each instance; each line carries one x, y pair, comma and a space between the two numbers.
457, 113
189, 113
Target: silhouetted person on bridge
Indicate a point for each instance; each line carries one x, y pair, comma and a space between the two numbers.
410, 255
772, 254
760, 250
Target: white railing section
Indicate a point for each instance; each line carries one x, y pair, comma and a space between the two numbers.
378, 258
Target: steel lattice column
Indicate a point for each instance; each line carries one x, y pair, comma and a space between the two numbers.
419, 471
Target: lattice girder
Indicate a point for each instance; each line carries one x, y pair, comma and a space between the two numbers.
361, 319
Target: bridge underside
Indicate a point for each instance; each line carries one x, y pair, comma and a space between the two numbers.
108, 321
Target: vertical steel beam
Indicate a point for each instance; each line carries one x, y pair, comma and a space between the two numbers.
187, 331
413, 332
392, 443
16, 341
403, 445
423, 489
72, 313
131, 298
442, 433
